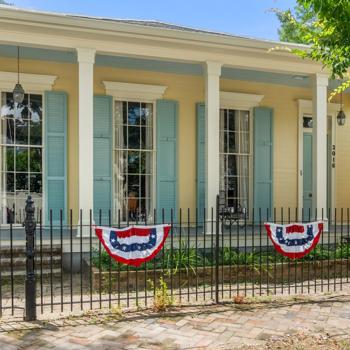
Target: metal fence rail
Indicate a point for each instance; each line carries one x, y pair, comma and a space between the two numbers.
206, 258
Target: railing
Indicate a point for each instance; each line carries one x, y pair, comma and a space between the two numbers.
206, 258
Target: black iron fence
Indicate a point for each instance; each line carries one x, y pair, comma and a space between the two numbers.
208, 257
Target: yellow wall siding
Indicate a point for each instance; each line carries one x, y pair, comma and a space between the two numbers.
283, 100
342, 168
188, 90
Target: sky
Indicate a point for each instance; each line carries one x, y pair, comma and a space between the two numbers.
251, 18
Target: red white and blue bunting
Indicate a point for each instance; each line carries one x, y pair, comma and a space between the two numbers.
133, 245
294, 240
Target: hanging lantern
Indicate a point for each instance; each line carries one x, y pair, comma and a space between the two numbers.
341, 115
18, 91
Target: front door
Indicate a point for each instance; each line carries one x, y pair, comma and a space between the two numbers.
307, 174
307, 169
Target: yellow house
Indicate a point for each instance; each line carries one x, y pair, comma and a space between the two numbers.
127, 117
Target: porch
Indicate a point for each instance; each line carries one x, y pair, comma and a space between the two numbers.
126, 133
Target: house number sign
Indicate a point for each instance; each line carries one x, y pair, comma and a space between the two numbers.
333, 156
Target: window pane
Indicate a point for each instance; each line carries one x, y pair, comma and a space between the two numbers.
146, 114
222, 119
36, 183
35, 133
146, 138
232, 165
22, 132
21, 182
8, 159
244, 142
307, 122
133, 162
233, 120
35, 108
244, 121
232, 187
35, 160
125, 113
146, 163
146, 186
134, 113
119, 113
21, 159
134, 137
119, 136
232, 142
133, 186
9, 182
125, 137
8, 131
121, 162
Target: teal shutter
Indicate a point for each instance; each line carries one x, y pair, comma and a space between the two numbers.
102, 158
200, 161
55, 183
263, 162
167, 125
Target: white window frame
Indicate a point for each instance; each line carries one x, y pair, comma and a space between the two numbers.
305, 108
244, 102
32, 84
143, 93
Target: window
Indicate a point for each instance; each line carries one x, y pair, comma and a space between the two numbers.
21, 151
235, 158
133, 160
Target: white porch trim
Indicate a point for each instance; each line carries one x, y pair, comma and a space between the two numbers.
86, 60
138, 92
236, 100
212, 118
30, 82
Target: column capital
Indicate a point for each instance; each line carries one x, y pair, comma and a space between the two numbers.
213, 68
86, 55
321, 79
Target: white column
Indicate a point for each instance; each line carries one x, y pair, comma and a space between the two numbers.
319, 135
86, 59
212, 117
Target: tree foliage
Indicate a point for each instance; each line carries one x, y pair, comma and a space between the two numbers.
324, 25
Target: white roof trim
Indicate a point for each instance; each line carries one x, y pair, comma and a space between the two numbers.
30, 82
138, 92
306, 106
235, 100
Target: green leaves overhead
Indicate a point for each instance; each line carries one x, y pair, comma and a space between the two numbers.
324, 25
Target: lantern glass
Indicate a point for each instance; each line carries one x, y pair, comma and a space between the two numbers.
341, 118
18, 93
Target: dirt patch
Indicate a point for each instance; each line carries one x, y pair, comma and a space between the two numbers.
303, 341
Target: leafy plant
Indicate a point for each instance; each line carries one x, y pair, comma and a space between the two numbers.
162, 297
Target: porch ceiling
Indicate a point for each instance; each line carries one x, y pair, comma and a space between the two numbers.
156, 65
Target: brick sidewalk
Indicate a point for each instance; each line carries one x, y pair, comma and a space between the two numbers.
215, 327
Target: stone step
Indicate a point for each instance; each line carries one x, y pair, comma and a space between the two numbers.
20, 262
5, 251
6, 275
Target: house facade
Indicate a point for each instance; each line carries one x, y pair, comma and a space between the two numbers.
125, 117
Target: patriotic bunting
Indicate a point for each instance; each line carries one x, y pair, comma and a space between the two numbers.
133, 245
294, 240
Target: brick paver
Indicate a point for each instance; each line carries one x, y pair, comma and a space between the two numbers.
228, 326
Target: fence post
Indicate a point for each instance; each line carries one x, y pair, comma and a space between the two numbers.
217, 251
30, 283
